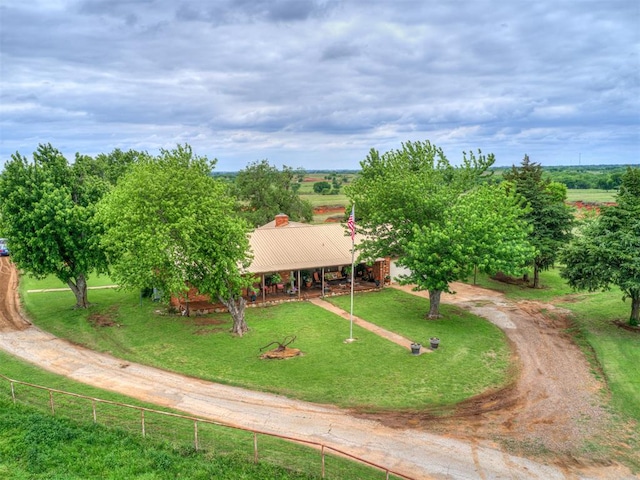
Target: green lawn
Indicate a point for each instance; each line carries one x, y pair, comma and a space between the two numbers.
551, 287
371, 373
617, 349
468, 344
53, 282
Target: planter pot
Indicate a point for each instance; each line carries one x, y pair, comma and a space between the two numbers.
434, 342
415, 348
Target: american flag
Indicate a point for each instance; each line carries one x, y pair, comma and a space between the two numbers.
351, 223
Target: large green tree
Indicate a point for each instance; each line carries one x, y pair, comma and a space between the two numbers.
550, 217
413, 204
483, 229
606, 250
112, 166
47, 207
169, 224
266, 191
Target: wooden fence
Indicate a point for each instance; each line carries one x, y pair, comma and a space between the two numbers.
201, 433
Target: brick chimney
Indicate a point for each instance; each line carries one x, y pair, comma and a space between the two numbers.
282, 220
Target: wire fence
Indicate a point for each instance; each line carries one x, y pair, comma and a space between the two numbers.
198, 433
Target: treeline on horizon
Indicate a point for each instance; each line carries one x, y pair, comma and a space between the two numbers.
578, 177
602, 177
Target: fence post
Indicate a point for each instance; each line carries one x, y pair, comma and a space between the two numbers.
322, 450
144, 433
53, 412
195, 434
93, 407
13, 394
255, 447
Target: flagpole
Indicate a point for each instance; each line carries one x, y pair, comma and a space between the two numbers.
352, 272
352, 230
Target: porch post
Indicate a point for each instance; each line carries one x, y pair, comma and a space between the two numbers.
264, 295
299, 286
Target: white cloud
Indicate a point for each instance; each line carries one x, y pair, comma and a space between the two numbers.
322, 82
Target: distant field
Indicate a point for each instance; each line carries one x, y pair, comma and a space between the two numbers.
306, 192
321, 200
591, 195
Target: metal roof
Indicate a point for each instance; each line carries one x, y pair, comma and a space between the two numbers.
301, 248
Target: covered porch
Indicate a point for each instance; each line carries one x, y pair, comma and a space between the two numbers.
294, 261
299, 261
292, 287
317, 282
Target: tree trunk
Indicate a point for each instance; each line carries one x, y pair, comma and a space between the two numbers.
79, 289
434, 301
236, 309
635, 310
536, 276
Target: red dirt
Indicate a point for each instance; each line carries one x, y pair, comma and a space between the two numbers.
580, 205
281, 354
10, 315
325, 209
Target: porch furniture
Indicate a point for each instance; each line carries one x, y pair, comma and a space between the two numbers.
333, 276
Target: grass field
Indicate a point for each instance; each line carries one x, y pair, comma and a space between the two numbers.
306, 192
573, 195
591, 195
34, 446
372, 373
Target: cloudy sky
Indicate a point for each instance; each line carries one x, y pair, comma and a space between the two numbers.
318, 83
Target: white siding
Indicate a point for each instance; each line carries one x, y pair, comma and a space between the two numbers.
395, 270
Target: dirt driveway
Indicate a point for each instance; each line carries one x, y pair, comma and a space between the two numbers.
555, 405
555, 402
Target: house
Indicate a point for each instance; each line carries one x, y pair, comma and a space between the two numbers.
310, 260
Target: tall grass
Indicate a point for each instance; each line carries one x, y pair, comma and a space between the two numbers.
35, 445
